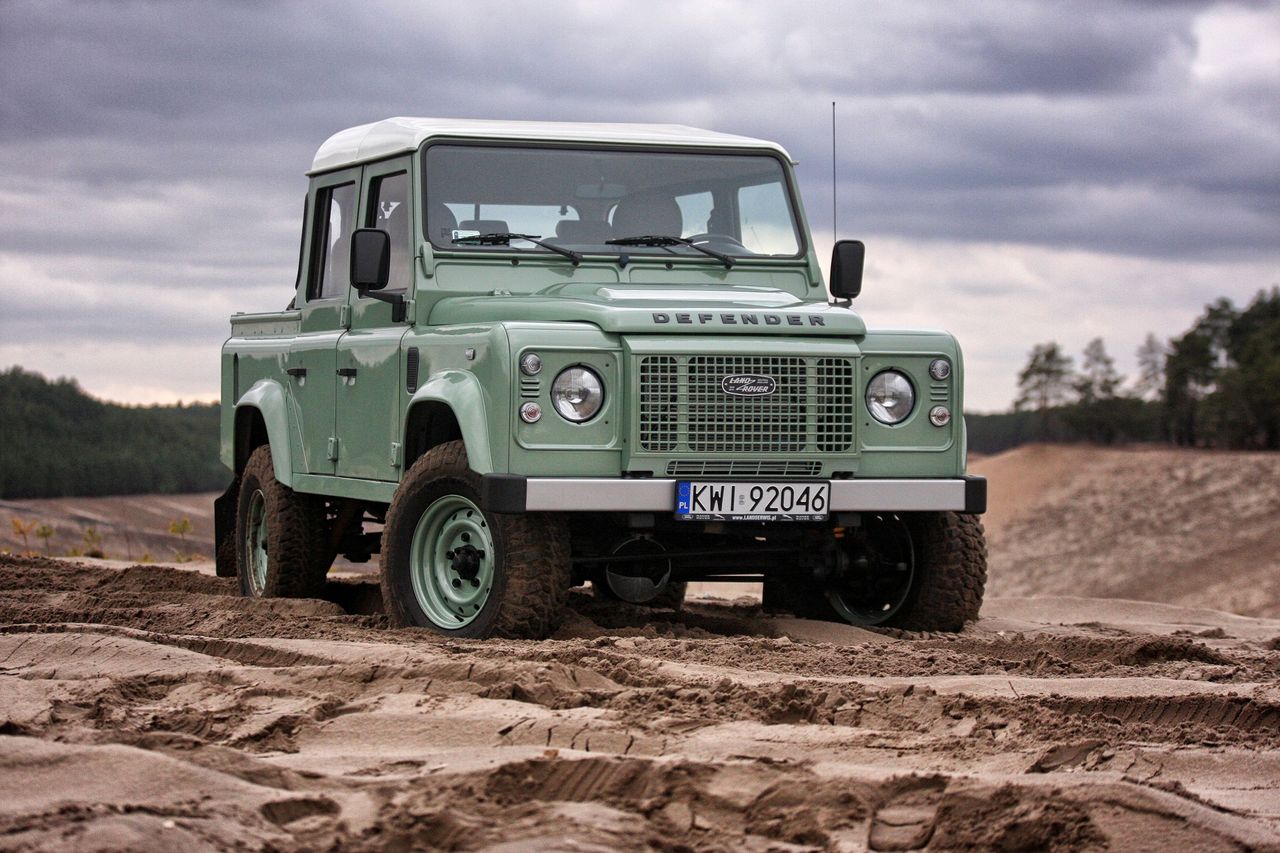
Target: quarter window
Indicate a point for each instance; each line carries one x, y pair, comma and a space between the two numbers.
333, 239
389, 211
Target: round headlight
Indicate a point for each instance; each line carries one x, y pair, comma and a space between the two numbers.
890, 397
577, 394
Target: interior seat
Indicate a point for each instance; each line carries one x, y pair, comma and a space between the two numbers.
441, 223
647, 213
485, 226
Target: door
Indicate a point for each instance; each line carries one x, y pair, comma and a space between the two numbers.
369, 393
322, 299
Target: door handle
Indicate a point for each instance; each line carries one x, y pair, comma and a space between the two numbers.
346, 371
297, 371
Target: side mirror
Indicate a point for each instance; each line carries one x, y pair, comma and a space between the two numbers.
370, 259
846, 268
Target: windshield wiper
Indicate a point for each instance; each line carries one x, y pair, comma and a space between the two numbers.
663, 240
502, 238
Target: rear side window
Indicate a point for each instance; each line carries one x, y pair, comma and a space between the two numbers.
389, 211
333, 241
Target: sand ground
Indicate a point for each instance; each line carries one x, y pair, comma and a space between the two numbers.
149, 707
152, 708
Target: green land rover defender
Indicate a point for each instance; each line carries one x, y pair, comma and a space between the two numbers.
524, 356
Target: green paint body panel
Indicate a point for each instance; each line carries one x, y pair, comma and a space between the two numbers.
334, 382
267, 399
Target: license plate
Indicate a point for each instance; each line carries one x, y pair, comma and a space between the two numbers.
703, 501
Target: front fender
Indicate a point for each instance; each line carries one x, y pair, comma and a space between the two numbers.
268, 397
462, 393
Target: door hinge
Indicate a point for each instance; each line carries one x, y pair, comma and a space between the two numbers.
395, 454
333, 449
344, 316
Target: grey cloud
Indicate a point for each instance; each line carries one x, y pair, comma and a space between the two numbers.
161, 145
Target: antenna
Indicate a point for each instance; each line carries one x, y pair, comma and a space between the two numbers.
834, 232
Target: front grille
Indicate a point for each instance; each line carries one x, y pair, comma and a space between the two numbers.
683, 408
744, 468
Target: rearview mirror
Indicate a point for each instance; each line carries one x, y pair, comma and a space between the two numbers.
370, 259
846, 268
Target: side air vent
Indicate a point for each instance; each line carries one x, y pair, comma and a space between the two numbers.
411, 371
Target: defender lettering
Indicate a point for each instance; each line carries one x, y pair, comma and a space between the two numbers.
662, 318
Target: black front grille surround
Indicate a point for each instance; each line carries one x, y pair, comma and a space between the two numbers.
685, 410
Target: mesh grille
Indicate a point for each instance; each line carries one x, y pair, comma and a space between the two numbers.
744, 468
683, 408
659, 386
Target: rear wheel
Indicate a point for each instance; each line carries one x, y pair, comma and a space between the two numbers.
281, 536
450, 566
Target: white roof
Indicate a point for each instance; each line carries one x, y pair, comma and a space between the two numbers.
398, 135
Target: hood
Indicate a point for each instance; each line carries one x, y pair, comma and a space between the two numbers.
659, 309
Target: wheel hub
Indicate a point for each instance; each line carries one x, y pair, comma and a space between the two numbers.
452, 561
465, 561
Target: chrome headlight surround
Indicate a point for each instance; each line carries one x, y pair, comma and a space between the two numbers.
577, 394
890, 397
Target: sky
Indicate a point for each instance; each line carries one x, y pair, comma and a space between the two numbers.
1020, 171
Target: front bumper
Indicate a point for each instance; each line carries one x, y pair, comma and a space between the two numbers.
514, 493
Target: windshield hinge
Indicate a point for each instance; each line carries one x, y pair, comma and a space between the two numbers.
426, 260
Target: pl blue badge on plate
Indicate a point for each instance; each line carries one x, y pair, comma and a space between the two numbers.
682, 498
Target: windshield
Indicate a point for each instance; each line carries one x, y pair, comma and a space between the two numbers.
605, 201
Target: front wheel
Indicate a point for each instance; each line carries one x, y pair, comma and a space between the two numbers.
450, 566
920, 572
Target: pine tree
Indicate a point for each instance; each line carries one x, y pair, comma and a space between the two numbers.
1151, 358
1098, 379
1046, 380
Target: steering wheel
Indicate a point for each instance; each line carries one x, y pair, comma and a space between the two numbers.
708, 237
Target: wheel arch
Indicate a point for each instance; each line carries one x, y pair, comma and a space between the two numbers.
449, 406
262, 417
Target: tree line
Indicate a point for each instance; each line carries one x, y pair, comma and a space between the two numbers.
57, 441
1215, 385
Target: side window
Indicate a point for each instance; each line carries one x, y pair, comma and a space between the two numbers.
333, 241
765, 220
389, 210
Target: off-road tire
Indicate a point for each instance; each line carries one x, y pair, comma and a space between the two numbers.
951, 573
297, 538
950, 554
531, 581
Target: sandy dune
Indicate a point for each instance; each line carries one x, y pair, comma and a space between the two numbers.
151, 708
1189, 527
